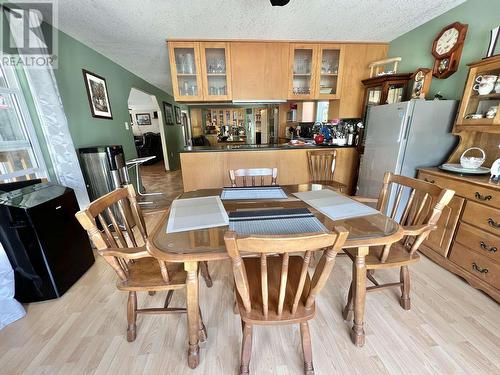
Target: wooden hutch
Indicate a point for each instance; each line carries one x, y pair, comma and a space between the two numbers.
468, 235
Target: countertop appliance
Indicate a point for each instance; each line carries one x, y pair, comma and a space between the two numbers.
402, 137
104, 169
46, 246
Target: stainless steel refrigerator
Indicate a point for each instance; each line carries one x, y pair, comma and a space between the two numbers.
402, 137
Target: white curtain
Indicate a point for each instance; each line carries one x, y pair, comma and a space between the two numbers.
10, 309
50, 110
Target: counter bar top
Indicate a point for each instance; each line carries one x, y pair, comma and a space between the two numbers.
264, 147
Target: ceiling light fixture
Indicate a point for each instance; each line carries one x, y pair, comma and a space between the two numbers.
279, 3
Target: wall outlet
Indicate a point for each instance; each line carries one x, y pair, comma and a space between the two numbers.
126, 125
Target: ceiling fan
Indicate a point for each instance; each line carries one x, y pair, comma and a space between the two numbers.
279, 3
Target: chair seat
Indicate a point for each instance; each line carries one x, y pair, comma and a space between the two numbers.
145, 274
398, 256
336, 185
256, 316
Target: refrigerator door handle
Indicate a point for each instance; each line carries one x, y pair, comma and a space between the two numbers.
406, 129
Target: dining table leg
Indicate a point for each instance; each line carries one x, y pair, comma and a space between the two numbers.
193, 313
359, 298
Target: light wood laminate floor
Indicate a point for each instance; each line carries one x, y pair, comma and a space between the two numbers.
451, 329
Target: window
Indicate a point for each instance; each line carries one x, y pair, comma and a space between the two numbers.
20, 156
322, 112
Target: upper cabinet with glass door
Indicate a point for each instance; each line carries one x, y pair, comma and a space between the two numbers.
329, 71
216, 68
480, 105
186, 72
302, 75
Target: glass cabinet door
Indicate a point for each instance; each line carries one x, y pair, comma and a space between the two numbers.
216, 71
395, 93
482, 97
302, 76
329, 71
186, 80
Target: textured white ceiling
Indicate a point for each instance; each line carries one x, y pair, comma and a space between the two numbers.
133, 33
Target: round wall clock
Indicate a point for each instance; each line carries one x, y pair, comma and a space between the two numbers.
447, 49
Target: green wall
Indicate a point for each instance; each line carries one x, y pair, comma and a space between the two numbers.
415, 46
88, 131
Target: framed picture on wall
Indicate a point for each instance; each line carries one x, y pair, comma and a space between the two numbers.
177, 115
169, 113
97, 93
143, 118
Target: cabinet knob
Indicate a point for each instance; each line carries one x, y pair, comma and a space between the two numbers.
482, 197
427, 180
487, 248
493, 223
475, 267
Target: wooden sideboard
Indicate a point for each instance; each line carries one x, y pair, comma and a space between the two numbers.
467, 240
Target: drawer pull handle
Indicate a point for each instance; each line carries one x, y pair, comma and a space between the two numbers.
482, 197
493, 223
488, 249
427, 180
475, 267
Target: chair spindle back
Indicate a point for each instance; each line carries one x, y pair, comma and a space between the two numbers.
117, 232
321, 165
269, 247
253, 174
416, 205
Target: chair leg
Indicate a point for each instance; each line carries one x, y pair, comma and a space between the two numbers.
246, 349
404, 276
306, 348
131, 316
206, 274
347, 313
203, 329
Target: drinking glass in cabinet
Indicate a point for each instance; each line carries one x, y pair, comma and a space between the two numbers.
215, 62
302, 61
329, 71
184, 60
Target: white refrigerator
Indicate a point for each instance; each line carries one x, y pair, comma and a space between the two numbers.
402, 137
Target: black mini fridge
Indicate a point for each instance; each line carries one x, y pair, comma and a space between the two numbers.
46, 246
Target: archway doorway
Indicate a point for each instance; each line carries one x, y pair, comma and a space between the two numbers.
147, 126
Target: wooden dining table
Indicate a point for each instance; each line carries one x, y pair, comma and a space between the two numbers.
194, 246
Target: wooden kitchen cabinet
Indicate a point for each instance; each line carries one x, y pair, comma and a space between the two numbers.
259, 70
315, 71
186, 71
216, 71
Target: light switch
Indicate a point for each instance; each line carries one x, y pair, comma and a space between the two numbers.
126, 125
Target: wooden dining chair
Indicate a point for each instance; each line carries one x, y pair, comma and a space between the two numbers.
115, 225
276, 288
260, 173
322, 167
416, 205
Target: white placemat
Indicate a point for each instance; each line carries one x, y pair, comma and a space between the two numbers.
334, 205
240, 193
196, 213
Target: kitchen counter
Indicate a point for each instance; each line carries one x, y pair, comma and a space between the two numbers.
264, 147
208, 167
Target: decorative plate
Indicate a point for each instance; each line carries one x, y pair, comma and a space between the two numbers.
457, 168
